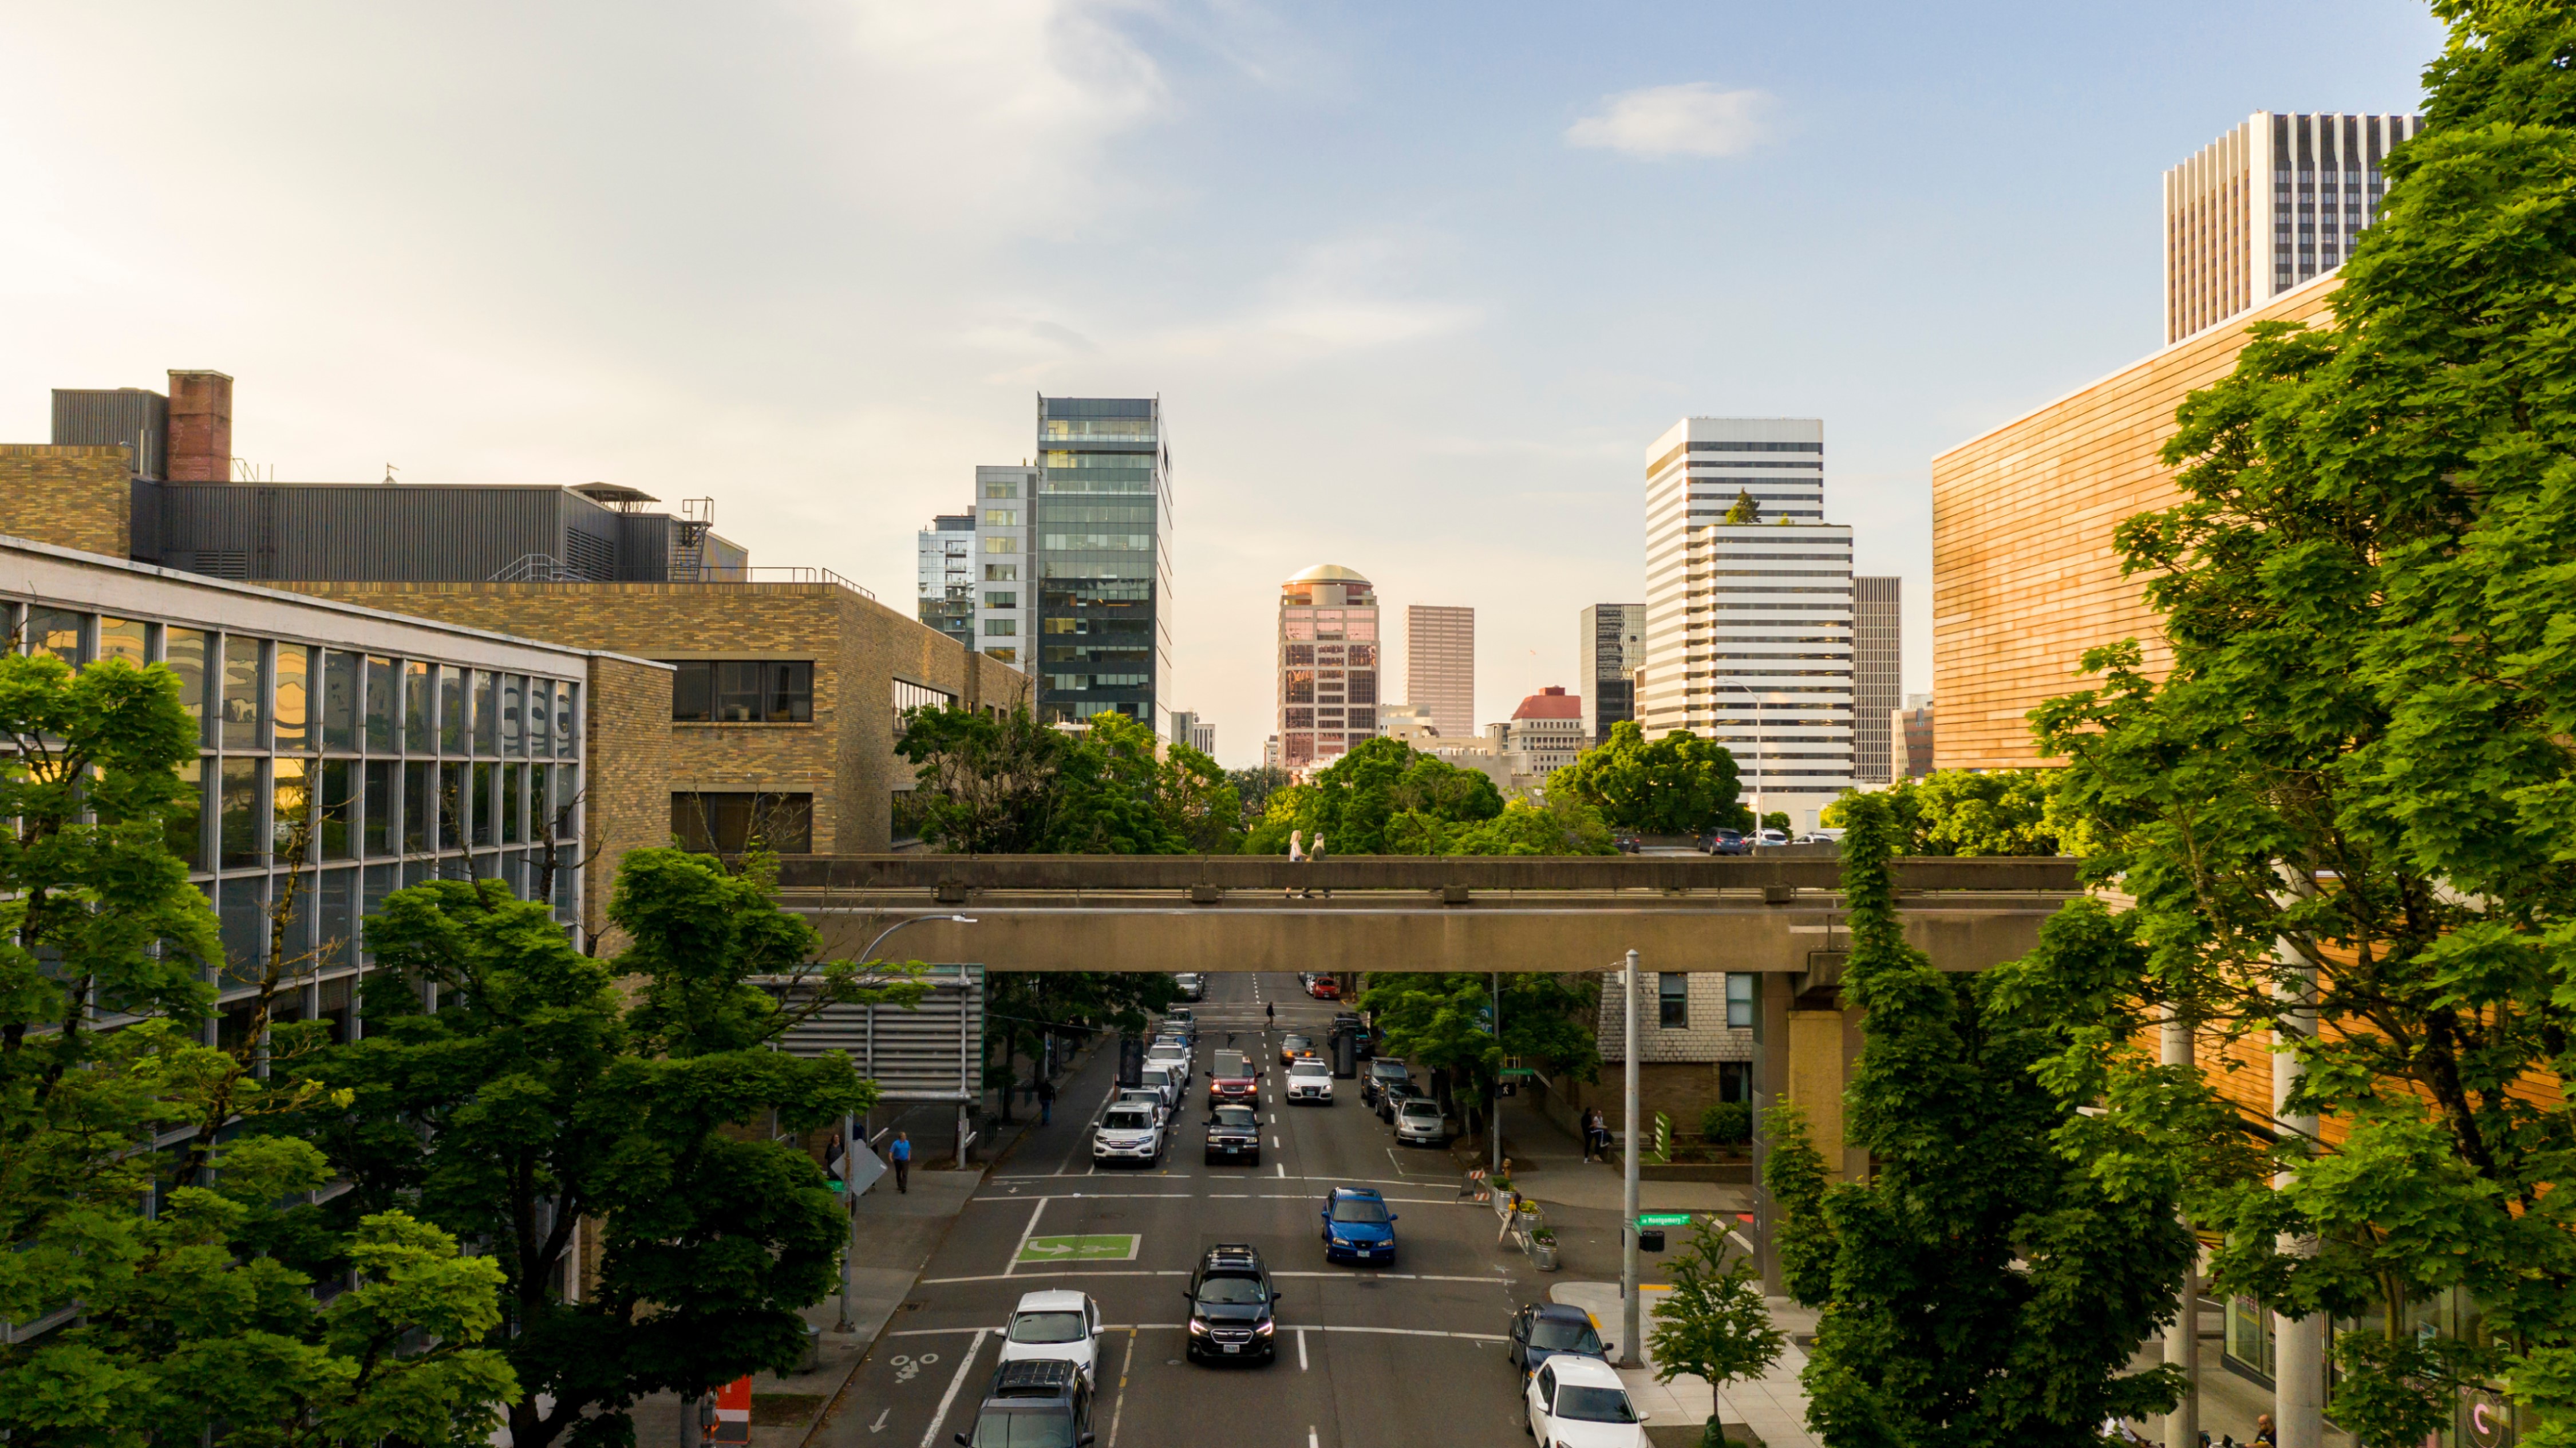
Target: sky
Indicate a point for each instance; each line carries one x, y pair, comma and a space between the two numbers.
1417, 282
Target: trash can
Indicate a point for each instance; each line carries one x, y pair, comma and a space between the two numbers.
1346, 1054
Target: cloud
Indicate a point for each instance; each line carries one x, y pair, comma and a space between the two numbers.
1696, 119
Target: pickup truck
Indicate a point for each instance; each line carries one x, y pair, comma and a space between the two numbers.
1231, 1079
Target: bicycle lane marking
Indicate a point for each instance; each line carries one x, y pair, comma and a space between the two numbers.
948, 1400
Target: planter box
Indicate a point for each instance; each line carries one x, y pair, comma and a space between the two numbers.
1739, 1173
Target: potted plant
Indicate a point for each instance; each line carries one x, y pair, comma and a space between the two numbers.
1542, 1249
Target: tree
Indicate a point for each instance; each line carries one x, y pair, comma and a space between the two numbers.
1560, 824
1679, 784
1983, 1286
1380, 798
1255, 786
1443, 1021
1745, 510
986, 782
1973, 812
189, 1321
1713, 1324
1010, 785
540, 1095
2343, 809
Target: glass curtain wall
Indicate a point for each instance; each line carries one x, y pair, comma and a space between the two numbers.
1099, 541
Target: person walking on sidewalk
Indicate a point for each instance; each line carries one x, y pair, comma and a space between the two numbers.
900, 1153
1046, 1101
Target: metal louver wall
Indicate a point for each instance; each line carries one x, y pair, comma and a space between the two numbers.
932, 1052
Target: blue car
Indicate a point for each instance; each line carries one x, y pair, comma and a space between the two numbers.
1357, 1226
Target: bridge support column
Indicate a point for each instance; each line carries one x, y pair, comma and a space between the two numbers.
1770, 1087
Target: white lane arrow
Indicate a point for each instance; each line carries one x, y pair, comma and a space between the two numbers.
879, 1425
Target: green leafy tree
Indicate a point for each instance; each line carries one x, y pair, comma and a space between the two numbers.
1776, 820
1561, 824
986, 783
1745, 510
1984, 1286
1381, 798
1679, 784
1713, 1325
1972, 812
1255, 786
548, 1090
1443, 1021
1009, 785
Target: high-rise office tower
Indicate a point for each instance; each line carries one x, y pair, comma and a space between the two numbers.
947, 577
1610, 643
1002, 578
2273, 203
1328, 665
1878, 676
1100, 546
1440, 666
1748, 606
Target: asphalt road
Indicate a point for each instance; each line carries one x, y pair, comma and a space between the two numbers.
1406, 1355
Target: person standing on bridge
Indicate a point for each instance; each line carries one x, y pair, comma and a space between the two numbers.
1317, 855
900, 1153
1296, 856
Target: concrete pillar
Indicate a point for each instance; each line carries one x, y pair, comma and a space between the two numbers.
2299, 1345
2182, 1340
1816, 1082
1769, 1087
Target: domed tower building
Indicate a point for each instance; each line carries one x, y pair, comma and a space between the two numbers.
1328, 666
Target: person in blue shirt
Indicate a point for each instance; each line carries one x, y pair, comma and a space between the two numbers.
900, 1153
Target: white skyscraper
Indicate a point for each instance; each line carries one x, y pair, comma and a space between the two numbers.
1749, 623
2276, 202
1002, 575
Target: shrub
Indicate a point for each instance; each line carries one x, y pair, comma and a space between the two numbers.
1727, 1123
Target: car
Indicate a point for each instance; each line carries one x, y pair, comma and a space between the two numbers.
1768, 838
1357, 1226
1310, 1080
1392, 1099
1421, 1122
1234, 1133
1544, 1330
1127, 1133
1292, 1046
1231, 1078
1383, 1071
1193, 985
1174, 1057
1324, 988
1035, 1400
1058, 1325
1145, 1096
1726, 842
1233, 1307
1579, 1402
1166, 1081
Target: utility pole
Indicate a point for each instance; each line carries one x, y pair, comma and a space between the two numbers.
1630, 1319
2299, 1376
1494, 1126
850, 1200
2182, 1340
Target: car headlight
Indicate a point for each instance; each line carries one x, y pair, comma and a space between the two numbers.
1263, 1327
1198, 1326
1340, 1241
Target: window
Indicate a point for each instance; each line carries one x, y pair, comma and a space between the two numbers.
242, 694
340, 683
451, 710
1008, 656
186, 827
238, 825
339, 810
1001, 573
743, 691
184, 650
1001, 627
293, 701
1001, 487
513, 791
487, 713
1001, 543
1000, 518
541, 710
1739, 999
57, 632
378, 809
122, 638
416, 808
1672, 1000
1001, 598
514, 706
729, 823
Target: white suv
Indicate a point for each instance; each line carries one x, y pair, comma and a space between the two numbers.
1310, 1080
1128, 1133
1064, 1326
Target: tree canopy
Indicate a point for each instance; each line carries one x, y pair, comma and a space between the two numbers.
1973, 812
1382, 793
1444, 1021
1679, 784
1008, 784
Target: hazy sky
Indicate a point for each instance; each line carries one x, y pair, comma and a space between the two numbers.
1417, 283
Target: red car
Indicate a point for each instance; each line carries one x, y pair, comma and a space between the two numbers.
1231, 1081
1325, 988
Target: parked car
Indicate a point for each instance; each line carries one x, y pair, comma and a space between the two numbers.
1292, 1046
1234, 1133
1768, 838
1725, 842
1057, 1325
1393, 1096
1578, 1402
1167, 1080
1543, 1330
1147, 1097
1624, 841
1127, 1133
1382, 1072
1357, 1226
1421, 1122
1311, 1081
1231, 1077
1324, 988
1043, 1400
1233, 1308
1193, 985
1175, 1058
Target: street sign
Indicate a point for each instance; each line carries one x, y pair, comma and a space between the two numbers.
1663, 1219
864, 1167
1089, 1247
1510, 1071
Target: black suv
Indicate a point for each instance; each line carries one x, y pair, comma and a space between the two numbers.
1234, 1133
1033, 1403
1232, 1306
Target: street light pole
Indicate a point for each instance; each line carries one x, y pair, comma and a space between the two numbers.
1630, 1319
850, 1137
1494, 1124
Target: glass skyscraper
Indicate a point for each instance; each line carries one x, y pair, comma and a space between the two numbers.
1100, 551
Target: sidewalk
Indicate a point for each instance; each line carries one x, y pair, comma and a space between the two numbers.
1774, 1405
1548, 1166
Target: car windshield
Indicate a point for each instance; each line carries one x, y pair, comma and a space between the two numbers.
1557, 1335
1304, 1067
1236, 1116
1232, 1290
1359, 1209
1141, 1096
1389, 1070
1229, 1063
1295, 1043
1594, 1405
1047, 1327
1049, 1428
1421, 1106
1125, 1120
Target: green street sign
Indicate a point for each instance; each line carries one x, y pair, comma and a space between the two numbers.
1663, 1219
1517, 1071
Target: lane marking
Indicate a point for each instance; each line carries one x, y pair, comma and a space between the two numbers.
879, 1425
1283, 1170
1275, 1146
1023, 1244
948, 1399
1015, 1195
1301, 1349
1118, 1406
1310, 1437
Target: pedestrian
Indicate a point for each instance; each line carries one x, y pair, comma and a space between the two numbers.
900, 1153
1269, 1015
1316, 855
2263, 1431
1588, 1114
1296, 856
1046, 1101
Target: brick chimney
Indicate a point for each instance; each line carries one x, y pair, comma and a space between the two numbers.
201, 427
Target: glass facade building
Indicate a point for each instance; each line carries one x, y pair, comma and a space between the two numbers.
1328, 666
1099, 547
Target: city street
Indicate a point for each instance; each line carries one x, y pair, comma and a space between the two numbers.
1367, 1356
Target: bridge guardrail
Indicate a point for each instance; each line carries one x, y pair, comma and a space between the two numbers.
915, 870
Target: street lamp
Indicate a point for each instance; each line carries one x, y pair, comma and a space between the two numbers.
850, 1133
